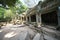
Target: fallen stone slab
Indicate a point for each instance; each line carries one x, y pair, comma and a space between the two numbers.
43, 37
49, 37
24, 36
37, 37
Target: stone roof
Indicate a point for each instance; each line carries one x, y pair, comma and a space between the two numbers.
49, 6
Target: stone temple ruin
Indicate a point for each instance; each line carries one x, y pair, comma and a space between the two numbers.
45, 13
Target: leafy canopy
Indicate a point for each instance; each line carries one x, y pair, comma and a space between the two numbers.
8, 2
8, 14
20, 7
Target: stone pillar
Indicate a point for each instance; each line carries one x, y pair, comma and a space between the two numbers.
37, 18
21, 18
26, 19
58, 16
29, 19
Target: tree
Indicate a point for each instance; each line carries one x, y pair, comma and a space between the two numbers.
8, 2
2, 10
8, 14
20, 7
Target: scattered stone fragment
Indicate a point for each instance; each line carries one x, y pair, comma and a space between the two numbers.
37, 37
24, 36
49, 38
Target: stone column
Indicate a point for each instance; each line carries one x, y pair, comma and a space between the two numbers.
37, 18
58, 16
26, 19
29, 19
21, 18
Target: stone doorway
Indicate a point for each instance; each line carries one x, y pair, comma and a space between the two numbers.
33, 18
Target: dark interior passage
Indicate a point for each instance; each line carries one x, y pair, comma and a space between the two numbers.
50, 18
33, 18
28, 19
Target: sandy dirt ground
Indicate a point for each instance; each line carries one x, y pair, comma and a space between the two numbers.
18, 32
12, 32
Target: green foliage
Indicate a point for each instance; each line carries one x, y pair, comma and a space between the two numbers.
8, 14
20, 7
8, 2
2, 10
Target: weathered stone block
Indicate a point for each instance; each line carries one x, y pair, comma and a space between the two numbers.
37, 37
24, 36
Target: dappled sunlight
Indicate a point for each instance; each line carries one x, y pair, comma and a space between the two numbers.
11, 34
29, 20
1, 30
13, 28
9, 25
